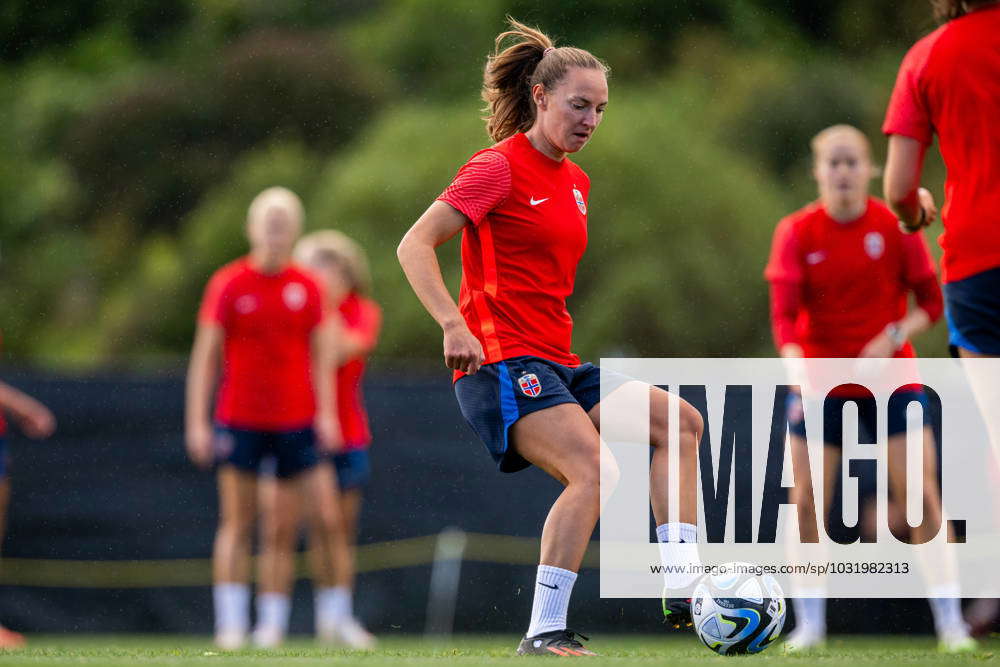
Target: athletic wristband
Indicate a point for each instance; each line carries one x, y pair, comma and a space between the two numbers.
921, 217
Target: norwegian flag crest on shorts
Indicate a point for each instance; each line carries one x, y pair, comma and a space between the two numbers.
529, 385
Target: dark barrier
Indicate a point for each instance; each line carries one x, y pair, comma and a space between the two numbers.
110, 527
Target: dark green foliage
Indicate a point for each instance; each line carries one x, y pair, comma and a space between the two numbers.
136, 134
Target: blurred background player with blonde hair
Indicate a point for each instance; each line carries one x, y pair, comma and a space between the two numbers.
841, 273
341, 268
263, 325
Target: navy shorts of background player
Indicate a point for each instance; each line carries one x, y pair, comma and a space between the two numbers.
833, 416
292, 451
353, 468
501, 393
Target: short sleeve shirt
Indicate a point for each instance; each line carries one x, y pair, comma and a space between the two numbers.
949, 85
526, 234
854, 277
267, 322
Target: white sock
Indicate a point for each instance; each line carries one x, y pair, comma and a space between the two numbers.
679, 549
272, 612
232, 607
947, 611
810, 613
553, 586
333, 605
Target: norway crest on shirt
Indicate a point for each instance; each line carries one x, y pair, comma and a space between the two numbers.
294, 296
580, 204
529, 385
874, 244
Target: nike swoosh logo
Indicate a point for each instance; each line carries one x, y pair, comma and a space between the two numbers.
536, 202
553, 587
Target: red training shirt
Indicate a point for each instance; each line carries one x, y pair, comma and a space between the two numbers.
949, 84
268, 321
363, 317
527, 232
837, 285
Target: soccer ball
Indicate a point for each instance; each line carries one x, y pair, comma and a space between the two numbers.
738, 612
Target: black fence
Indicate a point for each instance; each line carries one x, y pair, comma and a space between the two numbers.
110, 528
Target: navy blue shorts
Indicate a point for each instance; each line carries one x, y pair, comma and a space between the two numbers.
4, 467
501, 393
353, 468
833, 416
972, 306
292, 451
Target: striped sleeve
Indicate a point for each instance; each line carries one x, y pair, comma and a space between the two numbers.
482, 184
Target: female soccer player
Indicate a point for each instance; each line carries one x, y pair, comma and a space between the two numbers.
341, 267
949, 85
262, 322
36, 421
521, 206
841, 272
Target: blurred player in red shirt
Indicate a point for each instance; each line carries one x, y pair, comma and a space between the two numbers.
841, 272
342, 269
263, 324
949, 85
36, 421
521, 207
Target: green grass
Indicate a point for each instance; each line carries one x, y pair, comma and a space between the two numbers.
672, 650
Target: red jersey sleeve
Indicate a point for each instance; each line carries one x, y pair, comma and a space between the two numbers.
482, 184
917, 262
370, 323
908, 114
214, 304
920, 276
318, 307
785, 262
786, 299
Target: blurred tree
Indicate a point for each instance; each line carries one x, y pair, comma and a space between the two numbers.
135, 134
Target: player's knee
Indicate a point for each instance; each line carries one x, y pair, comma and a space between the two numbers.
326, 521
609, 474
236, 527
586, 474
279, 532
691, 424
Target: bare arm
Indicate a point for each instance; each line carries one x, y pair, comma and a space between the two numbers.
324, 347
353, 345
203, 370
913, 204
416, 252
34, 418
883, 346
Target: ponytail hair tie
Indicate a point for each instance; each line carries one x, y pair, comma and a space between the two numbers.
548, 51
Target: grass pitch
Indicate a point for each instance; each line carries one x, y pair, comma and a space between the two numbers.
673, 650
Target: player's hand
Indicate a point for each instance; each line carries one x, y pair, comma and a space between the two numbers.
329, 438
928, 211
38, 422
926, 200
879, 347
462, 350
198, 441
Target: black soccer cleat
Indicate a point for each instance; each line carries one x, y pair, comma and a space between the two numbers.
677, 612
562, 643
